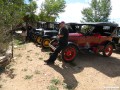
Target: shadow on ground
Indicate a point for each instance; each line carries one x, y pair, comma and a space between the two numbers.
67, 72
109, 66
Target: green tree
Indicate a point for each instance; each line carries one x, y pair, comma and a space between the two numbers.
30, 12
50, 9
98, 11
11, 13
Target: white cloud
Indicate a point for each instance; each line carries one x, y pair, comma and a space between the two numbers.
39, 2
72, 12
115, 9
115, 14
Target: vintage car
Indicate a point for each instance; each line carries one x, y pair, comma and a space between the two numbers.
95, 37
116, 38
50, 30
47, 31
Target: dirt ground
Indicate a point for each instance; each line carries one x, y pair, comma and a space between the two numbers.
88, 72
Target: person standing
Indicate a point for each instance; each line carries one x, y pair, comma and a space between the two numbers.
62, 40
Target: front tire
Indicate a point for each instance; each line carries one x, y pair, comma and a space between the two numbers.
69, 53
45, 42
108, 50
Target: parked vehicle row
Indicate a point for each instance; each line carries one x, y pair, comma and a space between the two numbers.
97, 37
47, 31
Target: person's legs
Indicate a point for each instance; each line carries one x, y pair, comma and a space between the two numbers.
54, 55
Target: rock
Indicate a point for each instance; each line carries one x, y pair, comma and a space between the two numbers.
4, 60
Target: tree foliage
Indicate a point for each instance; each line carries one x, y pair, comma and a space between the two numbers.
98, 11
30, 12
14, 12
11, 13
50, 9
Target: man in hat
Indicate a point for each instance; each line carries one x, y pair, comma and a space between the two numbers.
63, 41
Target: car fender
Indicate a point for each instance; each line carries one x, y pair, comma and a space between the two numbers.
71, 43
110, 42
46, 36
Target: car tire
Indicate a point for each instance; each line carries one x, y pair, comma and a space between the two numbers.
69, 53
38, 40
45, 42
108, 50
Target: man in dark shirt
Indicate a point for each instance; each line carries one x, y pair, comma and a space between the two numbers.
63, 41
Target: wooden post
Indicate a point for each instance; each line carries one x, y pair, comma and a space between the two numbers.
12, 43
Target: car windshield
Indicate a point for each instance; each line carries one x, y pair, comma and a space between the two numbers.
48, 25
86, 28
73, 28
99, 29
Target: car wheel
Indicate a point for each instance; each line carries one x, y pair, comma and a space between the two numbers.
45, 42
108, 50
69, 53
39, 39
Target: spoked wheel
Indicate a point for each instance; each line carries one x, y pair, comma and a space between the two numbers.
45, 42
108, 50
69, 53
39, 39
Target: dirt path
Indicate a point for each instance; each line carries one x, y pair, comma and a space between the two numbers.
89, 72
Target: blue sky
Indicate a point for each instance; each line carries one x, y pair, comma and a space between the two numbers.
74, 7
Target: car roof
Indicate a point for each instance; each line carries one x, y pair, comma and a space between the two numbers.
43, 22
95, 24
101, 24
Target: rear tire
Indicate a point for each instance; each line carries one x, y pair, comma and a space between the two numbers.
38, 40
108, 50
69, 53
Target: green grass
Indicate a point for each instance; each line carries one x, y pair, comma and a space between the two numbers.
28, 77
17, 42
52, 87
24, 70
37, 54
37, 72
19, 55
55, 81
1, 86
29, 59
69, 87
40, 58
8, 66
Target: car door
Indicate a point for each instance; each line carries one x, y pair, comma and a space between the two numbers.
93, 40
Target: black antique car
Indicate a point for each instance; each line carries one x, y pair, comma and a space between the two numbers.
47, 30
116, 38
